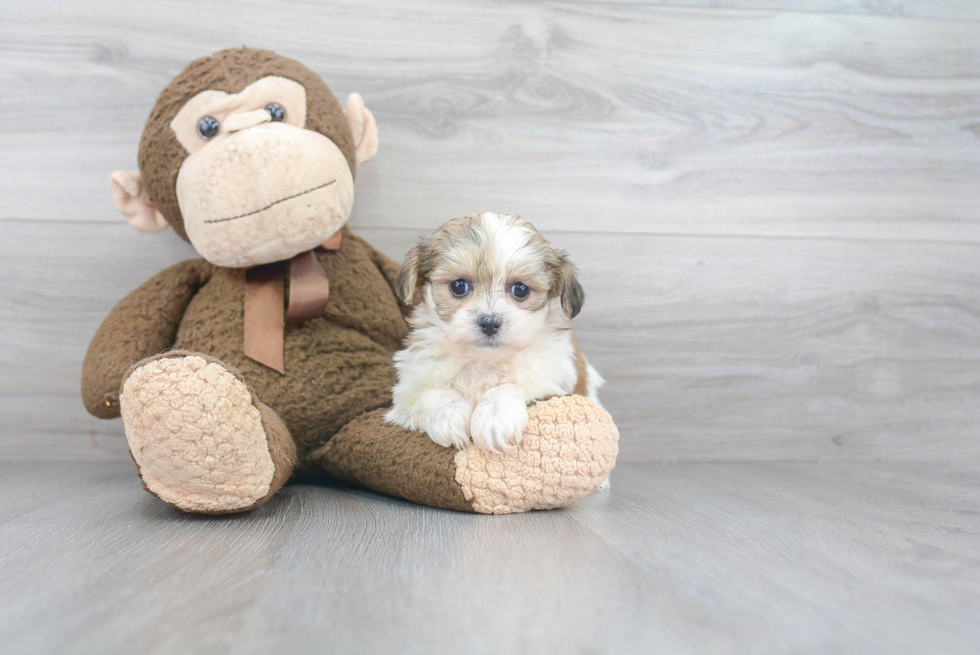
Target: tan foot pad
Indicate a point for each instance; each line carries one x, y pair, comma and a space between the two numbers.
569, 447
196, 435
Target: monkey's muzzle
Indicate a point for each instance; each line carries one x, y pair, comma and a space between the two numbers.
264, 194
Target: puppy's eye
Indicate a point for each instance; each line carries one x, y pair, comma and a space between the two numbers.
276, 111
520, 290
459, 288
208, 127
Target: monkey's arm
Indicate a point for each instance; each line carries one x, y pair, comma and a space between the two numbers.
142, 324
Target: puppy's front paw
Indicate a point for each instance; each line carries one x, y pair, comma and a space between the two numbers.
498, 424
448, 424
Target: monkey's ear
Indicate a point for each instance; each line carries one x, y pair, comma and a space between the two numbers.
567, 286
408, 282
134, 203
362, 127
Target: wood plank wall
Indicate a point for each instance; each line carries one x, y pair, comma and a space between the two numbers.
774, 205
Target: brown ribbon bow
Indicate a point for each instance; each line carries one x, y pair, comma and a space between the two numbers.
265, 313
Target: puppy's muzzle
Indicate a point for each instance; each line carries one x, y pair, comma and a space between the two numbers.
489, 325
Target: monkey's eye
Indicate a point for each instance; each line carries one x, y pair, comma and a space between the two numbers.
276, 111
520, 290
459, 288
208, 127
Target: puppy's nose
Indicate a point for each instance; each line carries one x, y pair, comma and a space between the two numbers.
489, 324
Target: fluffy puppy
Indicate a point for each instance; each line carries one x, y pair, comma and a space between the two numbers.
490, 332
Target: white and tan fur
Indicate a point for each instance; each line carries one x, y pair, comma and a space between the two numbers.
456, 382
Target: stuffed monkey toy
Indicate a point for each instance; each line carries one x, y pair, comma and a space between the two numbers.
272, 354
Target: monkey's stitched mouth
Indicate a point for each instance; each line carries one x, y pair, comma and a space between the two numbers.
271, 204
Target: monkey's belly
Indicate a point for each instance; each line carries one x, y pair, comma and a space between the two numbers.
333, 374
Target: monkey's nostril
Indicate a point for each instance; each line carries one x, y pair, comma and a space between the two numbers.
489, 324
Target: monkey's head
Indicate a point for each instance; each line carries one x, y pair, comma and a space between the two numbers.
249, 156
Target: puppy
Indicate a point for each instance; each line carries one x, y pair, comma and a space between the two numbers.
490, 332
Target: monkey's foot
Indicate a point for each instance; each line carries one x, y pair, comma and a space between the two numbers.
568, 449
200, 438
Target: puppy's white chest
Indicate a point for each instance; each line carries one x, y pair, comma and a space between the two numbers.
474, 379
545, 370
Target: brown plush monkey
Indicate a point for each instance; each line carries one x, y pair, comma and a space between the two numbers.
273, 353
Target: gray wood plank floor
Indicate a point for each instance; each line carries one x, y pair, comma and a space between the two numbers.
688, 558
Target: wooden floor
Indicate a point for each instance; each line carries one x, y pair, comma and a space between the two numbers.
688, 558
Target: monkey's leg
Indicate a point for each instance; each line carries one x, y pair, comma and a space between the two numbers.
569, 447
201, 440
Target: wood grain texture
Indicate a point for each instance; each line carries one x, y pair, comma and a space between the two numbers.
692, 558
774, 207
714, 348
775, 212
635, 118
944, 9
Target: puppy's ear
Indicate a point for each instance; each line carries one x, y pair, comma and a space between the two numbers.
408, 283
567, 285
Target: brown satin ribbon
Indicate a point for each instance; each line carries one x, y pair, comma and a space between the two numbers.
265, 315
308, 288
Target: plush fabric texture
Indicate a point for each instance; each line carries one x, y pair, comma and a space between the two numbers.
392, 460
199, 436
569, 447
264, 195
325, 414
290, 95
133, 202
338, 366
212, 431
142, 324
161, 154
